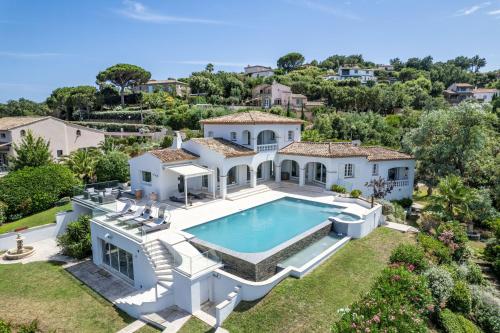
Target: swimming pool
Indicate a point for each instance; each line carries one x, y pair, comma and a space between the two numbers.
263, 227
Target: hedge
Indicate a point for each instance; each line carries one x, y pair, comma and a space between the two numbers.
34, 189
117, 127
119, 115
455, 323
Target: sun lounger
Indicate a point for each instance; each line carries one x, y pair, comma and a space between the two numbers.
159, 223
133, 215
146, 214
180, 199
126, 209
200, 195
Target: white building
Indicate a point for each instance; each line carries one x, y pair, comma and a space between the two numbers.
484, 94
244, 161
353, 73
259, 71
64, 137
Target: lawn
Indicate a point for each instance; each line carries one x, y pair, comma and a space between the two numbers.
310, 304
45, 291
194, 325
45, 217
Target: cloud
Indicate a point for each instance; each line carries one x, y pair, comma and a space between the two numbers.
137, 11
471, 10
494, 12
327, 9
30, 55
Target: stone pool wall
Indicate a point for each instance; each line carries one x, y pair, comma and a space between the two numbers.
265, 268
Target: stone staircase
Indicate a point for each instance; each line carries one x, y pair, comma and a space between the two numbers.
243, 193
162, 262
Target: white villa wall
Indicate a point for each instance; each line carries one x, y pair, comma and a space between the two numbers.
158, 184
61, 135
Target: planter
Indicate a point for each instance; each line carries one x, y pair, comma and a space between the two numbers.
138, 194
153, 196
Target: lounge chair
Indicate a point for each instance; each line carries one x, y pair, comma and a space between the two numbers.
181, 199
136, 213
126, 209
199, 195
146, 214
158, 223
89, 192
107, 196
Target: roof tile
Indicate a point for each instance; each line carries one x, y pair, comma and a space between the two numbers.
251, 118
224, 147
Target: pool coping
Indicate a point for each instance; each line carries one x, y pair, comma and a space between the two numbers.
256, 257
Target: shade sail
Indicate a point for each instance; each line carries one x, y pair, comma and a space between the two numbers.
190, 170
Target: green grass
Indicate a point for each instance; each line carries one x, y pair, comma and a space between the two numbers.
148, 329
45, 217
61, 303
194, 325
310, 304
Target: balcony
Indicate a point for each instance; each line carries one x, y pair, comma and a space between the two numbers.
399, 183
267, 147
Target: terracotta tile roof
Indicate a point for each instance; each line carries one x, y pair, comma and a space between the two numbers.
484, 90
173, 155
224, 147
7, 123
165, 82
463, 85
251, 118
342, 149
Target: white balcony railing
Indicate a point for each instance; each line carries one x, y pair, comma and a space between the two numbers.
399, 183
267, 147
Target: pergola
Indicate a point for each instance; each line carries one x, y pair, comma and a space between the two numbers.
191, 171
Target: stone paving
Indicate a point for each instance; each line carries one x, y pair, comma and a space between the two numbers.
45, 250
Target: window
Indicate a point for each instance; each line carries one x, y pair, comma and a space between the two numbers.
3, 136
23, 132
295, 169
267, 103
233, 136
277, 101
210, 134
290, 135
118, 259
375, 170
273, 136
320, 174
349, 170
246, 137
59, 153
78, 133
146, 176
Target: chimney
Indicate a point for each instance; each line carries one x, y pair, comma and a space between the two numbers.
177, 142
356, 143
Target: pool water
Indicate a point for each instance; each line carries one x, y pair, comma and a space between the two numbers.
263, 227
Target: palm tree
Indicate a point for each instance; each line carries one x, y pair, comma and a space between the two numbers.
82, 163
453, 199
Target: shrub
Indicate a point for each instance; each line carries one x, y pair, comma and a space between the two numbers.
485, 309
455, 323
32, 190
454, 236
167, 141
405, 202
63, 201
4, 327
460, 299
387, 207
410, 255
3, 212
440, 283
398, 302
399, 213
434, 249
428, 222
119, 115
117, 127
112, 166
76, 241
355, 193
492, 253
30, 328
339, 189
474, 273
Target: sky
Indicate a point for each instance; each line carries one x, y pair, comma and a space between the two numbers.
54, 43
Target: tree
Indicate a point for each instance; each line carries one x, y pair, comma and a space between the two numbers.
23, 107
65, 100
82, 163
209, 67
112, 166
123, 76
290, 61
380, 188
31, 152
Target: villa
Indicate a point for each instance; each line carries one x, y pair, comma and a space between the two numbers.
216, 220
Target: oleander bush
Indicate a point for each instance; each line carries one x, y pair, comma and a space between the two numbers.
453, 236
355, 193
440, 283
339, 189
460, 299
456, 323
409, 255
399, 301
76, 241
34, 189
436, 251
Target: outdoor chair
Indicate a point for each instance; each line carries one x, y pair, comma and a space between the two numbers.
173, 198
159, 223
146, 214
126, 209
108, 195
199, 195
87, 193
136, 213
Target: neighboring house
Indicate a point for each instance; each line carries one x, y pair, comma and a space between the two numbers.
64, 137
258, 71
174, 87
230, 175
458, 92
268, 95
385, 67
348, 73
484, 94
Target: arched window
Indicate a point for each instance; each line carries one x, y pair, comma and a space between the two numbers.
23, 133
233, 136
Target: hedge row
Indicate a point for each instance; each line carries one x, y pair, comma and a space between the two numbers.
118, 115
117, 127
